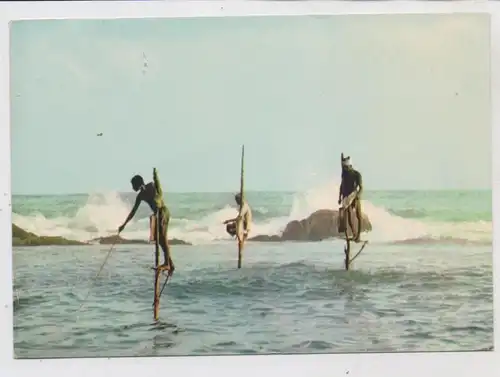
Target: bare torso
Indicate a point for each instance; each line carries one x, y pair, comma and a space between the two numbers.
148, 195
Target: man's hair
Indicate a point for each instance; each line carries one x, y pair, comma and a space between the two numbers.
137, 181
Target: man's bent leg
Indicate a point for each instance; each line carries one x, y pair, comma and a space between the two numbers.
348, 213
246, 231
357, 207
152, 228
164, 221
342, 221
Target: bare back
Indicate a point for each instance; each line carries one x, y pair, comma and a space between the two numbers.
148, 195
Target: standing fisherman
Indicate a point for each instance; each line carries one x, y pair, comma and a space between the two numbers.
245, 214
350, 191
152, 194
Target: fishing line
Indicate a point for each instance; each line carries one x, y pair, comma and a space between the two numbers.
164, 285
97, 275
157, 299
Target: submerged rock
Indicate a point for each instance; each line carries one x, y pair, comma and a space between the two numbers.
117, 240
265, 238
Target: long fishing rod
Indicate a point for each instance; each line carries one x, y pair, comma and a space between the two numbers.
97, 275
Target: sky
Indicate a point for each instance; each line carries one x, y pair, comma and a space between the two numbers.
406, 96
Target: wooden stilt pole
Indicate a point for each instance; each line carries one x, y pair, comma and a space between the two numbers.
342, 227
239, 226
240, 253
347, 251
156, 305
159, 205
347, 248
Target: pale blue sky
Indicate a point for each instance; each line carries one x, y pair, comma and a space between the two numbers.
407, 96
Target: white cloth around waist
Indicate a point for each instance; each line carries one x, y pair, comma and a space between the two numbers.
246, 215
347, 201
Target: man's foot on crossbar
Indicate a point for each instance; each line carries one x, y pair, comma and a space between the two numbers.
168, 268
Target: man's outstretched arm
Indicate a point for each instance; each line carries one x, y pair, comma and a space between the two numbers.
131, 214
231, 220
239, 217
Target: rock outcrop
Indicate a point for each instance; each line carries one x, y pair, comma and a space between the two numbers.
320, 225
20, 237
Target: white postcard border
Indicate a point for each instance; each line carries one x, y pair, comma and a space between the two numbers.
353, 365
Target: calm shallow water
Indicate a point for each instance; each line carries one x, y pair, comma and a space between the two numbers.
288, 297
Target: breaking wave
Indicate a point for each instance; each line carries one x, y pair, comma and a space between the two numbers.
201, 222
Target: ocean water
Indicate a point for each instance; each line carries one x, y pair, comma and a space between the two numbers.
423, 283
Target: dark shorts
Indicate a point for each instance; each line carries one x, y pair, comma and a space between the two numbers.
231, 228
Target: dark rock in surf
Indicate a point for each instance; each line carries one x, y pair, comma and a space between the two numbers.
117, 240
20, 237
265, 238
175, 241
318, 226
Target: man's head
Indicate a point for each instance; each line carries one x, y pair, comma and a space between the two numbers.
237, 198
137, 182
346, 163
